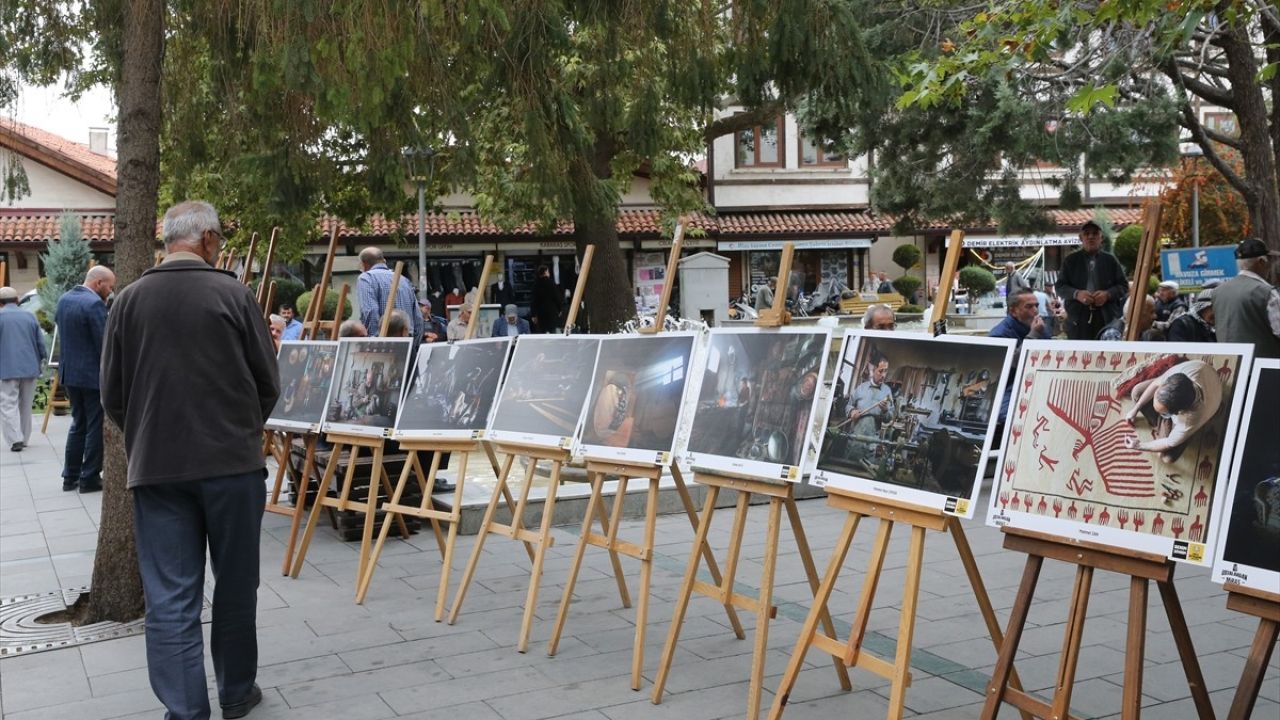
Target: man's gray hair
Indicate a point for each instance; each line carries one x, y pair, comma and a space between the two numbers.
1016, 298
371, 256
187, 221
97, 272
869, 318
351, 328
398, 325
277, 319
1254, 265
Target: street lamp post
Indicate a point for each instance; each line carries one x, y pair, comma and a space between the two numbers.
1194, 152
416, 157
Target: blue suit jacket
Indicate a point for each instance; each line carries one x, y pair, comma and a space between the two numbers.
500, 327
81, 318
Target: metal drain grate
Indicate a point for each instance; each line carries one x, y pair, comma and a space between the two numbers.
21, 634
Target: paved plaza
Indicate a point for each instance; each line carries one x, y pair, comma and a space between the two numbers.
323, 656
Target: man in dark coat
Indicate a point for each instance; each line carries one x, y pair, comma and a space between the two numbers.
192, 399
1092, 285
546, 301
82, 318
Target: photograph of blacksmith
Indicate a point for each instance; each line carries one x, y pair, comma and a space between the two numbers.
306, 372
919, 413
454, 388
1175, 405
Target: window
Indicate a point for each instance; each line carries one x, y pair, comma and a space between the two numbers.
671, 371
761, 146
820, 154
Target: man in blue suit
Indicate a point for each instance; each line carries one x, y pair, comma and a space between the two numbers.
510, 324
82, 318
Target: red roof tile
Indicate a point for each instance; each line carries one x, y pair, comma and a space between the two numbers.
60, 153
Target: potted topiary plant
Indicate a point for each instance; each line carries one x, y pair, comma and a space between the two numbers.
976, 281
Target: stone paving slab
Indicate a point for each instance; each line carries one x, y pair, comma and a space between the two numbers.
323, 656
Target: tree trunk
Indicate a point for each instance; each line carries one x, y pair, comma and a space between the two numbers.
608, 296
116, 589
1263, 192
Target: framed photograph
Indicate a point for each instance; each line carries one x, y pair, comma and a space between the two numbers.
545, 391
306, 373
1248, 549
1124, 444
365, 396
756, 400
912, 417
453, 389
637, 396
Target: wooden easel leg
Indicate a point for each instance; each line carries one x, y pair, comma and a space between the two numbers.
867, 598
280, 442
1134, 649
980, 594
713, 567
544, 539
362, 588
1186, 650
1009, 648
686, 590
609, 528
1071, 642
646, 578
510, 503
425, 485
906, 624
811, 572
810, 628
597, 483
385, 480
330, 470
48, 406
764, 607
455, 519
371, 506
485, 525
300, 506
1255, 667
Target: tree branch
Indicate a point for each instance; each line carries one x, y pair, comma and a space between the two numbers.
1198, 88
744, 120
1192, 123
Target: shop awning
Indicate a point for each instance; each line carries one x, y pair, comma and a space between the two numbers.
1020, 241
824, 244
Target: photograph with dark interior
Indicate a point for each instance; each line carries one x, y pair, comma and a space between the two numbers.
368, 385
637, 395
454, 388
306, 372
546, 388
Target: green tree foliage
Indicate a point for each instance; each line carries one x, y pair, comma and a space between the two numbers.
907, 285
287, 292
906, 256
303, 305
977, 281
1098, 64
1126, 247
66, 262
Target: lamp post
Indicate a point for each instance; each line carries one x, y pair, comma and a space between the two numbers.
417, 158
1194, 152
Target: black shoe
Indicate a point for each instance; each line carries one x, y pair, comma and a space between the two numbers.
242, 708
17, 447
69, 485
443, 486
90, 487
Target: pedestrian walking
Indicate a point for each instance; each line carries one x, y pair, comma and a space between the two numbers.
192, 405
21, 353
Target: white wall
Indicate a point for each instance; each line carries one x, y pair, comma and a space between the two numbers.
53, 190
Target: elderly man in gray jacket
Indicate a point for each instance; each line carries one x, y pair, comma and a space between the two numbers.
192, 399
21, 353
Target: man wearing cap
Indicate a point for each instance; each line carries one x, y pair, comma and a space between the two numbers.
82, 320
1246, 308
510, 324
764, 295
1092, 285
434, 329
21, 352
1196, 324
1169, 304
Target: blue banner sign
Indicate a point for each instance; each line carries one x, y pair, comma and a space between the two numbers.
1192, 268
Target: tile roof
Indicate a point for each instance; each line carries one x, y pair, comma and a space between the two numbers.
37, 228
60, 153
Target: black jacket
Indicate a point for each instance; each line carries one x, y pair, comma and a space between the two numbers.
189, 372
1074, 276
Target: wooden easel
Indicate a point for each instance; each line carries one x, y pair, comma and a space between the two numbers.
264, 286
52, 403
780, 495
942, 296
378, 476
1148, 252
611, 521
541, 540
1266, 607
1142, 568
427, 482
850, 653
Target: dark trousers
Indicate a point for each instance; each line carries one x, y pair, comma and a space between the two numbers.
173, 523
83, 460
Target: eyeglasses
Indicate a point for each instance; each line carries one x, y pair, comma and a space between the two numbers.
222, 239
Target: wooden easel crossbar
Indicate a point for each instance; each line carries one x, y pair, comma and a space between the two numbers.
1142, 568
850, 653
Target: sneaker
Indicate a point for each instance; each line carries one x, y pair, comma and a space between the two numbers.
443, 486
242, 708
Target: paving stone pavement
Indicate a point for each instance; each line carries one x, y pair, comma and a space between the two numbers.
323, 656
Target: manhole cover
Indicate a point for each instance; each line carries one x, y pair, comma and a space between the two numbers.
21, 634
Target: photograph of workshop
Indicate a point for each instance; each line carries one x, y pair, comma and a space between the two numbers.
1122, 443
912, 417
545, 391
636, 397
756, 402
1248, 550
453, 389
367, 387
306, 372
